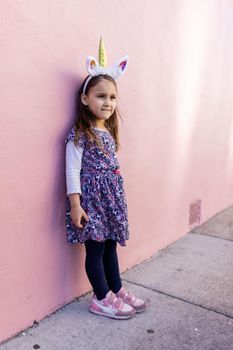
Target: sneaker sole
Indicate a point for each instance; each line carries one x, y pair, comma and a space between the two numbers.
116, 317
139, 311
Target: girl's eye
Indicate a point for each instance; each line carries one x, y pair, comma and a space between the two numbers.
103, 96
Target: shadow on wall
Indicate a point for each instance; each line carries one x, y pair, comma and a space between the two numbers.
58, 193
73, 280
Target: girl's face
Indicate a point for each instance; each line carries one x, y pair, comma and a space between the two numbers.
101, 99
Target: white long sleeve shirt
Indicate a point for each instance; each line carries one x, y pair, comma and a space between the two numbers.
73, 167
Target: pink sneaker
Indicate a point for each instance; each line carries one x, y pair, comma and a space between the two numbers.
111, 306
128, 298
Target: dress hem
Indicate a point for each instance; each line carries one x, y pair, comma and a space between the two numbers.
122, 244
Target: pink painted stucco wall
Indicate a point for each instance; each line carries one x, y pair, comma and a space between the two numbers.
177, 135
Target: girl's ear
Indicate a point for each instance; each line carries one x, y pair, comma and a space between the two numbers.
84, 99
92, 65
119, 67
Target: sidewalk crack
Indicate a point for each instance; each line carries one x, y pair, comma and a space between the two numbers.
179, 298
211, 235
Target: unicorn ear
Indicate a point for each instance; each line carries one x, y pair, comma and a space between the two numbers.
119, 67
92, 65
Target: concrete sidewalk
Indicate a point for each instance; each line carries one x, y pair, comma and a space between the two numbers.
189, 287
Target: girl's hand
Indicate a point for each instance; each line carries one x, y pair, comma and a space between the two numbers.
77, 213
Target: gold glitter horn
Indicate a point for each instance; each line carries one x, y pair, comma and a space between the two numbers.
102, 54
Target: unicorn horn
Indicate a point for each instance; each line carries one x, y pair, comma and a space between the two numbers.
102, 54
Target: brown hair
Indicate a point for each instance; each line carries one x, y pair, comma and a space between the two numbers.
85, 118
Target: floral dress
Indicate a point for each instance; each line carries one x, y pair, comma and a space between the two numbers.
103, 196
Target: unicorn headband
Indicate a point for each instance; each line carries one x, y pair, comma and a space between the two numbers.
94, 68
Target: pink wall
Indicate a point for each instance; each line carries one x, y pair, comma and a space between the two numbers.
177, 136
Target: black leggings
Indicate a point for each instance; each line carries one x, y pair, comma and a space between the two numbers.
102, 267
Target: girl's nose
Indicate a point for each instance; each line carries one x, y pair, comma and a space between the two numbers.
107, 102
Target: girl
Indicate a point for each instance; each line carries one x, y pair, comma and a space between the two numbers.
96, 209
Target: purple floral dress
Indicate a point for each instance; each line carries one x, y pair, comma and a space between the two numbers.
103, 196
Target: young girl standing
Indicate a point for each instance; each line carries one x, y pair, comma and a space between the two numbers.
96, 209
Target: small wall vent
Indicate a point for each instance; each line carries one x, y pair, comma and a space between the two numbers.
195, 213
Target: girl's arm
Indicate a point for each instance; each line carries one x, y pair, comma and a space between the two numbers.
73, 167
74, 199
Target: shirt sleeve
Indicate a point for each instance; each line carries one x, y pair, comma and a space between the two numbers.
73, 167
